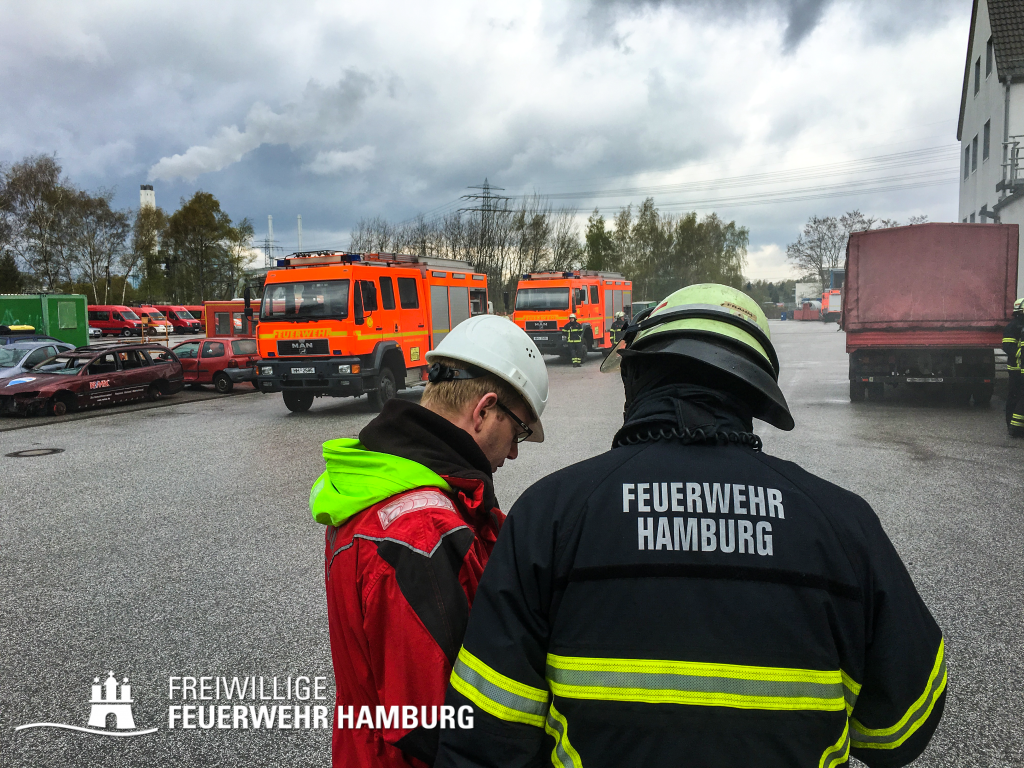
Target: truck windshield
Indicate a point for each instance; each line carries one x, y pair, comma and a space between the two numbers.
542, 298
305, 300
127, 314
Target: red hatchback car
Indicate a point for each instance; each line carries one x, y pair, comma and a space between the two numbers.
221, 361
93, 376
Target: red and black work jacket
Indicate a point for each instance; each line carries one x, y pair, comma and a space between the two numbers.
401, 577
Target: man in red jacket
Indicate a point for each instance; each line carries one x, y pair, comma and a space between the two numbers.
411, 519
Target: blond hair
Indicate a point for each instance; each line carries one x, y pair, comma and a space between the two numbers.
452, 396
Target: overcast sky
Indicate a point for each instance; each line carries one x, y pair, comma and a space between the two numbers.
342, 110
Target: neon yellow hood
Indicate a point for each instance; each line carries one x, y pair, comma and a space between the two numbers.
357, 478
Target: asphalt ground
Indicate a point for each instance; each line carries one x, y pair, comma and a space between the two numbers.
176, 541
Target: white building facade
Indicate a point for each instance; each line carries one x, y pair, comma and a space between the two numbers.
991, 127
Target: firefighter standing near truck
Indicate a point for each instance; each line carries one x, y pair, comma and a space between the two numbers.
1013, 336
411, 519
685, 599
617, 326
574, 335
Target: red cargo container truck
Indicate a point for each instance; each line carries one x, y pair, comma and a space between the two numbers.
926, 305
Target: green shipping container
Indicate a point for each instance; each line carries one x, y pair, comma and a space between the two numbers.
58, 315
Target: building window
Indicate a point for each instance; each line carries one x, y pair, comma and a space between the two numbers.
986, 139
977, 76
974, 153
990, 56
972, 218
965, 219
967, 161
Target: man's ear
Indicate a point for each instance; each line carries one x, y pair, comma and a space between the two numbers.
483, 405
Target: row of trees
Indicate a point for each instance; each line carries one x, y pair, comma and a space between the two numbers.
505, 239
55, 236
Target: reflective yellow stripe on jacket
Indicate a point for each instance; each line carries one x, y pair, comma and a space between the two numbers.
700, 684
497, 694
895, 735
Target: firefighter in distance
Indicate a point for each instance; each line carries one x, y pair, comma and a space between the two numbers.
1013, 337
574, 335
686, 599
617, 326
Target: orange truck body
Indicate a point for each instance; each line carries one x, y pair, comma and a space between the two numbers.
333, 324
544, 301
227, 318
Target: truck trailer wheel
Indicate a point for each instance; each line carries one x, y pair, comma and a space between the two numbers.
298, 402
856, 392
385, 390
983, 395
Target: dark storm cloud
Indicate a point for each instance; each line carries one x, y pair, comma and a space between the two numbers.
339, 113
801, 17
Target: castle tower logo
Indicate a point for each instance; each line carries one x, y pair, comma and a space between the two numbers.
110, 701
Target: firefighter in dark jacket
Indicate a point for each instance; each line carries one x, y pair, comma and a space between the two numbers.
618, 325
574, 335
1013, 335
685, 599
411, 519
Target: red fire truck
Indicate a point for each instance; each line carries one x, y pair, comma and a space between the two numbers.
336, 324
545, 299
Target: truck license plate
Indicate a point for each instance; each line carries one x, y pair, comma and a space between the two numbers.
924, 381
540, 338
303, 370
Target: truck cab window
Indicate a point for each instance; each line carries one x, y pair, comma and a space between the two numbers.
369, 295
387, 293
407, 293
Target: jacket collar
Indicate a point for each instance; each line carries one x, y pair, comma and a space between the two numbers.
412, 432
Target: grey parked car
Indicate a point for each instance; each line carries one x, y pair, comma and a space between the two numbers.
19, 357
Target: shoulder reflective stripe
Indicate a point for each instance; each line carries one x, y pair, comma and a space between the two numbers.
406, 544
421, 498
839, 752
894, 736
496, 694
563, 755
694, 683
851, 690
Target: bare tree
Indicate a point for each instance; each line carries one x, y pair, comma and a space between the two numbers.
101, 240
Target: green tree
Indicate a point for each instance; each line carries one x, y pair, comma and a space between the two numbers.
205, 252
598, 248
143, 254
11, 280
101, 241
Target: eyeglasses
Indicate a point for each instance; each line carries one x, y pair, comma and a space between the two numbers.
524, 432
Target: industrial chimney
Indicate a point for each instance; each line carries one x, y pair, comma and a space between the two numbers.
147, 196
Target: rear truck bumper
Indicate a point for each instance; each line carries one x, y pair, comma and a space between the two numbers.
550, 342
322, 378
959, 366
921, 379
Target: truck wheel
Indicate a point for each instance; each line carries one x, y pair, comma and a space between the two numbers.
298, 402
385, 389
983, 395
876, 390
127, 332
222, 383
856, 392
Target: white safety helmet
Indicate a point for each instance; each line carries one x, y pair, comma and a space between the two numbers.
502, 348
